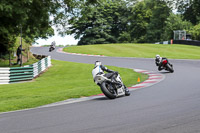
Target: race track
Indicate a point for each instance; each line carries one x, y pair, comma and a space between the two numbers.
171, 106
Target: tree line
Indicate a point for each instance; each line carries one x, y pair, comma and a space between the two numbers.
97, 21
119, 21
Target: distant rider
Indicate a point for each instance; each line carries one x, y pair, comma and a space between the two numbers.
53, 44
159, 60
99, 69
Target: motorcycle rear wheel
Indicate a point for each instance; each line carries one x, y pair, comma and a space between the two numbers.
108, 90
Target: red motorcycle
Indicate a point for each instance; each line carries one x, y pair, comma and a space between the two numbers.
167, 66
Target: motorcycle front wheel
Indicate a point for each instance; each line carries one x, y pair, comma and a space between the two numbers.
170, 68
108, 90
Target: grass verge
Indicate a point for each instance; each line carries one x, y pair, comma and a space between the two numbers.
63, 80
139, 50
5, 63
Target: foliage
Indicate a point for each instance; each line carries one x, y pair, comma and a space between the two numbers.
175, 22
101, 23
190, 10
157, 24
124, 37
139, 18
182, 5
32, 17
95, 21
148, 20
10, 57
195, 31
116, 21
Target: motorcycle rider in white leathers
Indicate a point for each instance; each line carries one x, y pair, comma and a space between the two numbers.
99, 69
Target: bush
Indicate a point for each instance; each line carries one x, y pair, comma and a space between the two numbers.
195, 31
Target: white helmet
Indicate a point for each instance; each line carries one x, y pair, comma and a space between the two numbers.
157, 56
97, 63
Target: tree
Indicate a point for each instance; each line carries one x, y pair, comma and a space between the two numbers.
182, 5
139, 20
175, 22
33, 16
195, 31
192, 12
103, 22
160, 13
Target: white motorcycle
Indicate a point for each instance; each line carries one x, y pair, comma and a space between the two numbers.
111, 89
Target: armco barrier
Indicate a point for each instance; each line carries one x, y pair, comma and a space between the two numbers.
186, 42
18, 74
41, 65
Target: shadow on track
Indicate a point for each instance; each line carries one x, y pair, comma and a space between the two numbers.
166, 72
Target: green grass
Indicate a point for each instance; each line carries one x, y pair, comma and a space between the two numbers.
5, 63
62, 81
139, 50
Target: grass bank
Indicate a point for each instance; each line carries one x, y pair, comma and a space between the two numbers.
62, 81
5, 63
26, 55
139, 50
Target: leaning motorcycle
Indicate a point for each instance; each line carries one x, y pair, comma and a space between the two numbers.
110, 89
167, 66
51, 48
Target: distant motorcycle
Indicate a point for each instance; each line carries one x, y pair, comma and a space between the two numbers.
51, 48
111, 89
167, 66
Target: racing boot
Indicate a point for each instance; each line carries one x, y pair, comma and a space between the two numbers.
127, 92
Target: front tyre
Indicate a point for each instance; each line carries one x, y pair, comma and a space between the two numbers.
170, 68
108, 90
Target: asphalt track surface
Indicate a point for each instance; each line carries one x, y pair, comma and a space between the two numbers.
171, 106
